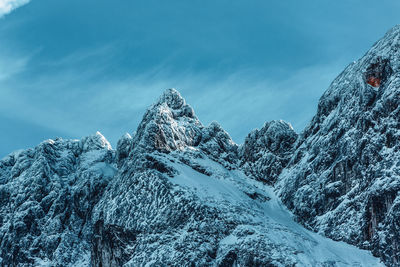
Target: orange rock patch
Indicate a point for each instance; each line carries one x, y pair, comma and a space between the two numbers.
374, 81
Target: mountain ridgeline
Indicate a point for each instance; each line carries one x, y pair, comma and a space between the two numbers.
178, 193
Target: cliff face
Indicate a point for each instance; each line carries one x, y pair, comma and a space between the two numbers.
178, 193
344, 177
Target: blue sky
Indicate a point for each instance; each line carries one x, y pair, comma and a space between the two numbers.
70, 68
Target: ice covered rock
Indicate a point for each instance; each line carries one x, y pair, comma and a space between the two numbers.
123, 148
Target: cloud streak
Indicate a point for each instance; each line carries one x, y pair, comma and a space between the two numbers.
240, 101
7, 6
10, 66
64, 74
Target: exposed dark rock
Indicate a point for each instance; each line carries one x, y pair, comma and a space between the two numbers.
111, 245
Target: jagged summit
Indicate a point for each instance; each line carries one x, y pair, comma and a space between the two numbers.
172, 102
96, 140
123, 147
169, 124
172, 98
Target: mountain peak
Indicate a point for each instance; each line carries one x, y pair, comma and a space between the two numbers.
172, 104
267, 151
95, 141
169, 124
172, 98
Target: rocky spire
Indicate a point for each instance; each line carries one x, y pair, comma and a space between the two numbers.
172, 98
95, 141
169, 124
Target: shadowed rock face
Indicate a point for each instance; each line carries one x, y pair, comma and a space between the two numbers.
111, 245
343, 179
267, 151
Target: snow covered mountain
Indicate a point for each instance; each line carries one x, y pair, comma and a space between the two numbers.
178, 193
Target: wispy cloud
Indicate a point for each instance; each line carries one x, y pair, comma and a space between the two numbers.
6, 6
240, 101
10, 66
